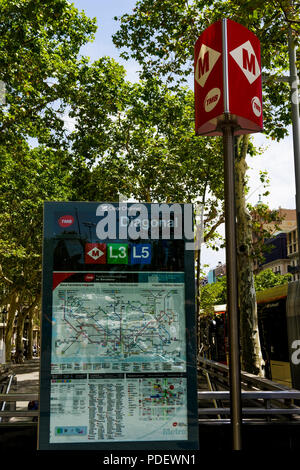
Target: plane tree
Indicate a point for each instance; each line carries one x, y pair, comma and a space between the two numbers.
153, 154
161, 37
28, 177
40, 44
130, 139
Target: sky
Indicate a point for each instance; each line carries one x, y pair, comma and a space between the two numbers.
277, 158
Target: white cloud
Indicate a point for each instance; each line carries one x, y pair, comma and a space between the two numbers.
278, 161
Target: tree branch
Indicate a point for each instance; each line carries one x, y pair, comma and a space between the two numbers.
4, 277
214, 227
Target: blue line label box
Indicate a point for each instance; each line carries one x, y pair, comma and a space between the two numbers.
141, 253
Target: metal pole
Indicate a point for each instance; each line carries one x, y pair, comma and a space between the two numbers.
295, 125
232, 286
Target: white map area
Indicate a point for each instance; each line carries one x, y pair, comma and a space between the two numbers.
128, 322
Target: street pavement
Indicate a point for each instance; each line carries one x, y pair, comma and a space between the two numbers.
27, 381
27, 375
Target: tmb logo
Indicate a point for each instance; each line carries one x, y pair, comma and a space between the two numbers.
65, 221
211, 100
256, 106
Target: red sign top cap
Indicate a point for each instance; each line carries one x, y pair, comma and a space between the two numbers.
229, 84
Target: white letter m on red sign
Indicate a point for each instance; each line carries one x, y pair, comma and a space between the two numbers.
246, 59
206, 61
249, 64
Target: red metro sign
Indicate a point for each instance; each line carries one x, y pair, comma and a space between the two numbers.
227, 79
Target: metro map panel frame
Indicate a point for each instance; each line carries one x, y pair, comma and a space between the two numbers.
64, 252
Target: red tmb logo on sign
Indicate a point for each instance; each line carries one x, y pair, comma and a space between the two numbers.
227, 79
95, 253
65, 220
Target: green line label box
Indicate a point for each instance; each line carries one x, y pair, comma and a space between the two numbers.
117, 253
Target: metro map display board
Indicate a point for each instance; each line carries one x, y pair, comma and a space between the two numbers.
118, 349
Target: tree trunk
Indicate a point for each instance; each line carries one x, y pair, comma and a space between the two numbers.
13, 305
251, 356
22, 315
30, 326
199, 230
198, 258
30, 334
19, 336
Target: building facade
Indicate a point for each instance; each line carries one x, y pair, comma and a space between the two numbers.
281, 255
218, 271
293, 253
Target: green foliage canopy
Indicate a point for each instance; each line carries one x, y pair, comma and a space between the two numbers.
161, 35
267, 278
215, 293
39, 46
